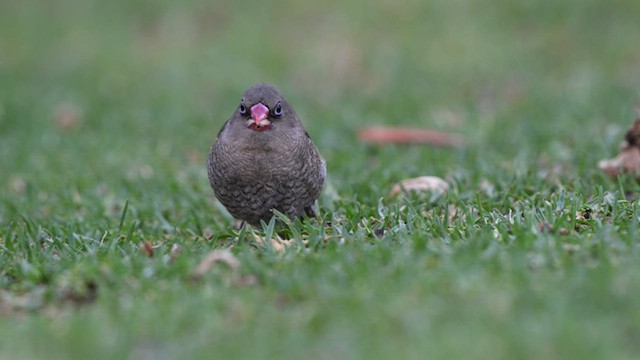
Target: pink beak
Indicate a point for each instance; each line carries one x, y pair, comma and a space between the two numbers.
259, 112
259, 121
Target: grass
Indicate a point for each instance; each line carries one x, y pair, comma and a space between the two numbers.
107, 111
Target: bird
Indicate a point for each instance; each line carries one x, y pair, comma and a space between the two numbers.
263, 160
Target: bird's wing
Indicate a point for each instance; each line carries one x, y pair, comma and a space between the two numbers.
226, 123
323, 168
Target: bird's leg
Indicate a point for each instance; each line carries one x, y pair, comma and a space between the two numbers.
238, 224
310, 211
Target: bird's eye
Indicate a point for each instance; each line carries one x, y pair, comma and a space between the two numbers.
243, 109
277, 111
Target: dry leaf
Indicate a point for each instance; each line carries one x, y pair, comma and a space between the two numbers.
399, 135
420, 184
628, 160
216, 256
147, 248
278, 243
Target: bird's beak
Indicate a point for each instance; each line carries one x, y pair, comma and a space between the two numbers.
259, 121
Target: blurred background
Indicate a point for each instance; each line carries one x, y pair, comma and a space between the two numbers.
127, 96
108, 110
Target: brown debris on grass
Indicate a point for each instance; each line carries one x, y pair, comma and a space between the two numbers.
217, 256
420, 184
277, 242
381, 135
628, 160
147, 248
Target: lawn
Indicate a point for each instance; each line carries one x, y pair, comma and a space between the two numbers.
108, 109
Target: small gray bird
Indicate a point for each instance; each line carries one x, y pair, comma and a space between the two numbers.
264, 160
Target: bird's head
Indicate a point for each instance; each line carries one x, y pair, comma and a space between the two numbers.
262, 106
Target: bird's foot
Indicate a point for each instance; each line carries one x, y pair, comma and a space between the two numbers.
238, 224
310, 211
